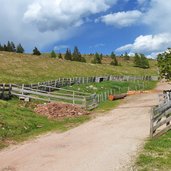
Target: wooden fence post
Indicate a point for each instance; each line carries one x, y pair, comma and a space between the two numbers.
73, 97
151, 122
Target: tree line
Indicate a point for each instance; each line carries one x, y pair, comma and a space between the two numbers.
139, 59
11, 47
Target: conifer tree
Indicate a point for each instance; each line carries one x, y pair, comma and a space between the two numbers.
76, 56
68, 55
13, 48
19, 49
114, 60
126, 56
36, 51
60, 56
53, 54
1, 48
96, 59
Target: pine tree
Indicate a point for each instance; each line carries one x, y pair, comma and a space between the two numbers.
96, 59
144, 62
1, 48
114, 60
76, 56
13, 48
68, 55
101, 56
5, 47
36, 51
19, 49
137, 60
9, 46
60, 56
53, 54
126, 56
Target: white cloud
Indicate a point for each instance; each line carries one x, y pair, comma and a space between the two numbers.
43, 22
62, 14
148, 44
122, 19
158, 17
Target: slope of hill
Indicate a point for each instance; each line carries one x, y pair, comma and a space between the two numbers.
26, 68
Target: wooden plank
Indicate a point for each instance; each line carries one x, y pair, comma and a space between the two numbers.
162, 123
46, 95
151, 122
163, 131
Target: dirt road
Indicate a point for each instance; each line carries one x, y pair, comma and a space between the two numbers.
107, 143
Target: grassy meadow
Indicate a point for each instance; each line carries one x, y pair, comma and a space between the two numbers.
25, 68
156, 155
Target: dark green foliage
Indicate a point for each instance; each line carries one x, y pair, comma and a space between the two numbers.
126, 56
68, 55
60, 56
36, 51
141, 61
53, 54
97, 59
114, 60
76, 56
144, 62
1, 48
11, 47
137, 60
19, 49
101, 56
164, 64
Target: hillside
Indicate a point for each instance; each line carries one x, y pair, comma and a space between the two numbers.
26, 68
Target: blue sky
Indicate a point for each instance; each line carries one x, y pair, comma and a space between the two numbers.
102, 26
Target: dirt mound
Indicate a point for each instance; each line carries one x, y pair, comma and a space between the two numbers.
59, 110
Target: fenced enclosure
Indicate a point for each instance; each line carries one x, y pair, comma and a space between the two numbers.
63, 82
52, 94
52, 91
161, 115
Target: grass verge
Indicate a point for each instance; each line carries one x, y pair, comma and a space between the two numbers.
156, 154
18, 122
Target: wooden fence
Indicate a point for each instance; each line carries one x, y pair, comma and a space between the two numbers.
62, 82
5, 91
85, 100
161, 116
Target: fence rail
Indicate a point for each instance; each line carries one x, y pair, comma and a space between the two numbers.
62, 82
161, 116
85, 100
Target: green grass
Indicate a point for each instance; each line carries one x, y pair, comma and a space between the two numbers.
119, 87
25, 68
156, 154
18, 122
107, 106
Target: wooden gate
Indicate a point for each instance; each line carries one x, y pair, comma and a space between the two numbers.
161, 116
